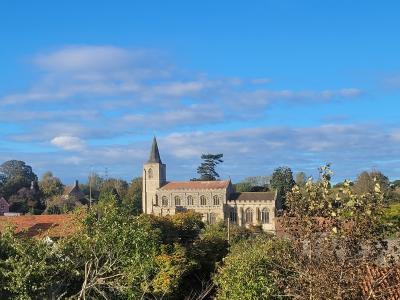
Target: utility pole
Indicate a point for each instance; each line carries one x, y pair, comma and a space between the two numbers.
229, 230
90, 188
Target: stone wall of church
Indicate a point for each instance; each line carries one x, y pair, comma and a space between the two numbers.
252, 212
210, 203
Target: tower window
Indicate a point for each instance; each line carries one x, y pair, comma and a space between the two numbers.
216, 200
177, 200
189, 200
164, 201
150, 173
203, 200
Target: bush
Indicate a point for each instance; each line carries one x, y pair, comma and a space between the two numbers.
253, 270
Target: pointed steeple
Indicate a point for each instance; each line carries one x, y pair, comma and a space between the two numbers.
154, 154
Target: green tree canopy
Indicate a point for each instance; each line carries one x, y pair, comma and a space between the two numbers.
282, 180
50, 185
250, 270
132, 201
206, 170
14, 175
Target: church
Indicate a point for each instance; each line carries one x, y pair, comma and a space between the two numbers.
215, 200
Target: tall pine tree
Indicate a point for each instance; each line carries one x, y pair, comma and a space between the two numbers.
206, 170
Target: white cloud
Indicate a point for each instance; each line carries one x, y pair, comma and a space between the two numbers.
87, 58
69, 143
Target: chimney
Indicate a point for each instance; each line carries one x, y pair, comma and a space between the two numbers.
76, 183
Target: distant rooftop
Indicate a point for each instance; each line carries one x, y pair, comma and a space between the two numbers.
41, 225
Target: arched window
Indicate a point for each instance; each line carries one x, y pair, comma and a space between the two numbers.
156, 201
150, 173
233, 215
212, 218
265, 216
248, 215
216, 200
164, 201
203, 200
189, 200
177, 200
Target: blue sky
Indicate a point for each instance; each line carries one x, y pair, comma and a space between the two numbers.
85, 85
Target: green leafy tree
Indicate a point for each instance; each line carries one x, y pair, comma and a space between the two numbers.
29, 268
250, 270
61, 205
132, 201
282, 180
14, 175
206, 170
118, 185
243, 187
50, 185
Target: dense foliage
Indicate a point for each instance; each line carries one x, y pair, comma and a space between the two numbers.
282, 181
327, 238
14, 175
253, 270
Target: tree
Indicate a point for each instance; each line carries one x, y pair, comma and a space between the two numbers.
94, 183
263, 181
243, 187
301, 178
396, 184
132, 201
253, 184
366, 181
282, 180
206, 170
336, 236
112, 184
50, 185
27, 200
250, 270
14, 175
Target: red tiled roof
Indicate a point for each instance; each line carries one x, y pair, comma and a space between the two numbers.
42, 225
382, 283
196, 185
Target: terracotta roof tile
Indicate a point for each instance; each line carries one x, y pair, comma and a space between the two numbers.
196, 185
381, 283
42, 225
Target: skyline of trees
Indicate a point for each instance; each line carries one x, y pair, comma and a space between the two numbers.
15, 178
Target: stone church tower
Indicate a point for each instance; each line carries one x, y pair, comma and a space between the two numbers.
154, 176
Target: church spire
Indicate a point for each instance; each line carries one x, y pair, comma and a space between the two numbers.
154, 154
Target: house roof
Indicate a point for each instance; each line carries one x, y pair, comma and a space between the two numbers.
75, 191
382, 283
3, 200
154, 153
41, 225
196, 185
258, 196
